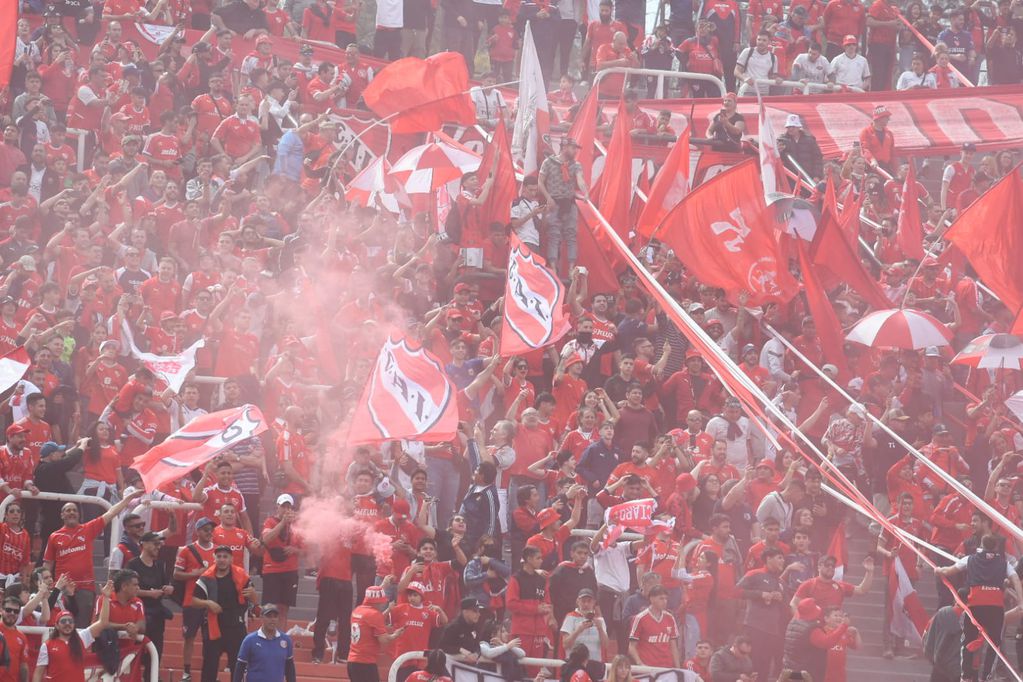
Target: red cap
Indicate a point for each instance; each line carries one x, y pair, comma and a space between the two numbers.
16, 427
693, 353
767, 464
849, 40
462, 286
572, 360
375, 595
62, 614
547, 516
881, 111
685, 482
808, 609
400, 507
167, 315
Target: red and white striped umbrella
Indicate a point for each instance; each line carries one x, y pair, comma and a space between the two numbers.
992, 351
909, 329
372, 184
426, 168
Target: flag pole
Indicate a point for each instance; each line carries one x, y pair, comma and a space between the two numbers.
768, 405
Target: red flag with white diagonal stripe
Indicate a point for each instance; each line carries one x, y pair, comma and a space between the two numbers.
534, 302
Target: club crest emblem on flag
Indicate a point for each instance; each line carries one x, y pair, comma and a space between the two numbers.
533, 302
407, 396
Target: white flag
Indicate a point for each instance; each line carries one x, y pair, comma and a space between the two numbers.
532, 116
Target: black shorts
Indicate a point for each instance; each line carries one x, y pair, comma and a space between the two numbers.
280, 588
191, 621
363, 672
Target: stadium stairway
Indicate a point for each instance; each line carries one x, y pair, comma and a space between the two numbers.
866, 613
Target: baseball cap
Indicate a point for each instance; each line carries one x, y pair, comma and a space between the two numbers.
881, 111
416, 586
48, 448
939, 428
793, 121
808, 609
267, 609
202, 522
16, 428
150, 536
586, 592
27, 263
969, 147
685, 482
749, 348
470, 603
932, 352
375, 595
573, 359
547, 517
693, 353
285, 498
305, 49
223, 549
849, 40
462, 286
401, 508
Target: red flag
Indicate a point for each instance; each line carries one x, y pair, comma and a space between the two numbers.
829, 329
910, 234
196, 443
13, 367
906, 613
771, 168
407, 395
616, 179
670, 186
837, 549
497, 160
584, 131
534, 303
839, 262
850, 218
721, 233
642, 187
712, 163
8, 37
989, 235
595, 253
428, 92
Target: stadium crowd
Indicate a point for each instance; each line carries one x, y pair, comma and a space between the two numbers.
152, 198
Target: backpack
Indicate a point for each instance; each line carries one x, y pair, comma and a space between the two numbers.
178, 596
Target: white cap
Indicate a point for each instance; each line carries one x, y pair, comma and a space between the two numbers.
385, 488
793, 121
855, 384
858, 409
830, 370
932, 352
285, 498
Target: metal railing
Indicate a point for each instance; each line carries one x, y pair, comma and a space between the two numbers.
115, 524
661, 75
154, 669
409, 656
807, 88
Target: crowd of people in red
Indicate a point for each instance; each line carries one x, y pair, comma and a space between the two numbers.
152, 200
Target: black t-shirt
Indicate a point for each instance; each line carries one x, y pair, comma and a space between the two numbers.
150, 578
721, 134
240, 18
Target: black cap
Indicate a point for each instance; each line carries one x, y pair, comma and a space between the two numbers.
223, 548
151, 536
471, 603
267, 609
969, 147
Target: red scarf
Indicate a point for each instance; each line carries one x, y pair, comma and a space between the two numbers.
942, 76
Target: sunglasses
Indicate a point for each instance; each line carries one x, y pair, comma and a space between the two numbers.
12, 610
66, 621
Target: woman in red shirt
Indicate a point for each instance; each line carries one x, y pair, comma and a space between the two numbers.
62, 655
101, 465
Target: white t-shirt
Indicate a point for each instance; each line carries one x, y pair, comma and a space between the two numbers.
852, 71
908, 80
390, 13
527, 231
758, 66
737, 452
813, 72
589, 637
611, 567
489, 103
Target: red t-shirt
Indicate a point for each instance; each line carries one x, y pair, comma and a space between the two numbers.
17, 649
287, 538
826, 593
418, 622
70, 550
236, 354
367, 624
187, 562
15, 549
160, 296
38, 433
217, 498
654, 638
238, 135
238, 539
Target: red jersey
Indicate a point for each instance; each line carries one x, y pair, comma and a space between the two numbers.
435, 578
187, 561
56, 656
842, 18
238, 135
286, 538
16, 468
164, 147
212, 111
238, 539
105, 467
216, 498
702, 56
17, 649
659, 557
418, 622
15, 549
502, 43
835, 671
825, 592
404, 532
367, 624
160, 296
132, 612
599, 34
140, 432
654, 637
236, 353
38, 433
70, 551
291, 448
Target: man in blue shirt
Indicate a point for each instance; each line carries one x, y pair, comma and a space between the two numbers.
599, 460
266, 655
961, 50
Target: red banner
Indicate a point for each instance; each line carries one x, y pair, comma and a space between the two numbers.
534, 301
721, 233
408, 395
8, 37
196, 443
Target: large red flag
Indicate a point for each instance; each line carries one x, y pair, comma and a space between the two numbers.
989, 235
534, 303
407, 395
721, 232
8, 37
616, 178
595, 253
839, 262
584, 131
829, 329
670, 186
497, 160
196, 443
910, 233
427, 92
